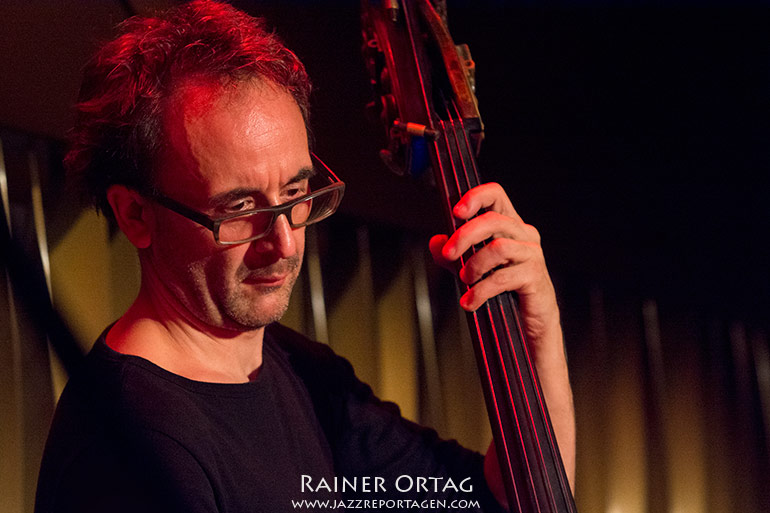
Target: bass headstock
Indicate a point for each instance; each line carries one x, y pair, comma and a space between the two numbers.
416, 72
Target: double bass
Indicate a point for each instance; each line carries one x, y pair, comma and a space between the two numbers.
424, 92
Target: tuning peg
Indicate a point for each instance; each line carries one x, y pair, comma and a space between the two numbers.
416, 130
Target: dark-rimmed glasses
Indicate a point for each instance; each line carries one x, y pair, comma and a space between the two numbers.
250, 225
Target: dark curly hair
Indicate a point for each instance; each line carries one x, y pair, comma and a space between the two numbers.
118, 133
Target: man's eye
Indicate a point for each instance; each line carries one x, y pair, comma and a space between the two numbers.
295, 192
240, 206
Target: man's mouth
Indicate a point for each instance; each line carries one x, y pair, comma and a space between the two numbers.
267, 280
272, 276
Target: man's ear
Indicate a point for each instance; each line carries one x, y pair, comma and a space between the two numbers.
133, 214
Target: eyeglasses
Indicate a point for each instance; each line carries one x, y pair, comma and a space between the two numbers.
254, 224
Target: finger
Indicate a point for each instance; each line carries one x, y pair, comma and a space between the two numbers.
489, 195
496, 254
490, 225
503, 280
436, 245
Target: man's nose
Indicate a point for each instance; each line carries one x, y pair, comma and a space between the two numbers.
280, 239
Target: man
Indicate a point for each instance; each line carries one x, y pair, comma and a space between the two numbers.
192, 133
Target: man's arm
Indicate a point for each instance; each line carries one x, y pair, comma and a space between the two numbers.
517, 258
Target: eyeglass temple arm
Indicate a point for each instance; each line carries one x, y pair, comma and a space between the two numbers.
193, 215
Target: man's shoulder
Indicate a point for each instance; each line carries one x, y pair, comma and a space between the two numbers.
295, 343
127, 396
313, 361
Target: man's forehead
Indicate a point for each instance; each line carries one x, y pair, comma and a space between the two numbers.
217, 134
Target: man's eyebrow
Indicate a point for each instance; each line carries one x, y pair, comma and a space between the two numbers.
304, 174
243, 192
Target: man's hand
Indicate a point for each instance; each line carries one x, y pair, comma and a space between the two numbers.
514, 252
515, 262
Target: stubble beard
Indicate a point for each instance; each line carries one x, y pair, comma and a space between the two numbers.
251, 307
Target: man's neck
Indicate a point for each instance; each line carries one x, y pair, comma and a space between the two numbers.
160, 333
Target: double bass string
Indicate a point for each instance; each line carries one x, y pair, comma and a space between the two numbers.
502, 371
453, 222
500, 302
507, 300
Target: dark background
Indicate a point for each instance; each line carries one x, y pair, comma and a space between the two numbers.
632, 134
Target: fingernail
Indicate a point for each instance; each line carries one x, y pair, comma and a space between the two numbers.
466, 300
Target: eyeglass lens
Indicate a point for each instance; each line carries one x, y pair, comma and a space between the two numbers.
258, 224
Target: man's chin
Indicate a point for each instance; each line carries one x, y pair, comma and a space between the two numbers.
256, 311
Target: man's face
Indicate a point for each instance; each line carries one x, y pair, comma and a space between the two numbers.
230, 149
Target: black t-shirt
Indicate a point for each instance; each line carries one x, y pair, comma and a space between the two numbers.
130, 436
